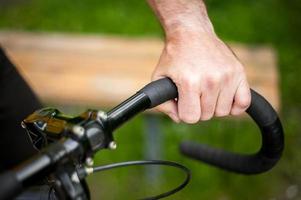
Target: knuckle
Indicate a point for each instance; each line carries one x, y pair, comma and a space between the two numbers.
188, 81
212, 81
227, 75
230, 72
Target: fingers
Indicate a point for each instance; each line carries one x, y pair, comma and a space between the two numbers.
170, 108
242, 99
224, 103
209, 97
189, 108
201, 99
225, 98
233, 102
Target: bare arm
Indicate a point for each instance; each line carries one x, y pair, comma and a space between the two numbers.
179, 16
210, 79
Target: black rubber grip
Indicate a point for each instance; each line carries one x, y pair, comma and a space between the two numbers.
262, 113
160, 91
270, 152
9, 185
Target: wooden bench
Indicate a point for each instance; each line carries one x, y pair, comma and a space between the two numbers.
102, 70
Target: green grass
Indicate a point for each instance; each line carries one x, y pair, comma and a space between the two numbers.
129, 17
271, 22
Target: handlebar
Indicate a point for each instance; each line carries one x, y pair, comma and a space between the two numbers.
260, 111
151, 95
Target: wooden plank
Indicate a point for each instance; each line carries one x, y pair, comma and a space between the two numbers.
103, 71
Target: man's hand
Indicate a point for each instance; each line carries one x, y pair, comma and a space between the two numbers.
210, 79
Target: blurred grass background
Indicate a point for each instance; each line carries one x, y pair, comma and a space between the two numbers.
271, 22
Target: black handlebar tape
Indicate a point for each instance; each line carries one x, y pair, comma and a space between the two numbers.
262, 113
9, 185
271, 148
160, 91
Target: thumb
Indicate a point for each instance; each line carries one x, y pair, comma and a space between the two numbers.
170, 108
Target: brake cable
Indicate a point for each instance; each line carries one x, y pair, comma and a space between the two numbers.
151, 162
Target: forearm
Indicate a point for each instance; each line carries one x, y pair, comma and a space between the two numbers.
182, 17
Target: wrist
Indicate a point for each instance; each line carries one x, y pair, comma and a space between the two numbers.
190, 36
183, 30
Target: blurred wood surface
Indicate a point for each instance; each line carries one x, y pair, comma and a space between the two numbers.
102, 71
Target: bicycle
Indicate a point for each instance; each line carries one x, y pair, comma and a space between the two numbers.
67, 144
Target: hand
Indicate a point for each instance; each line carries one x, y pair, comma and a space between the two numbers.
210, 79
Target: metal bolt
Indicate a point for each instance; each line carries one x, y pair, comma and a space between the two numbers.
78, 130
89, 162
23, 125
112, 145
101, 114
89, 170
75, 178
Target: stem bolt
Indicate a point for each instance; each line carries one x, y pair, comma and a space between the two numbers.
78, 130
112, 145
74, 178
89, 170
101, 114
89, 162
23, 125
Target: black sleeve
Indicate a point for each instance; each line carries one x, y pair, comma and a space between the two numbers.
17, 101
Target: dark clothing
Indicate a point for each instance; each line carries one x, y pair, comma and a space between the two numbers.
16, 102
